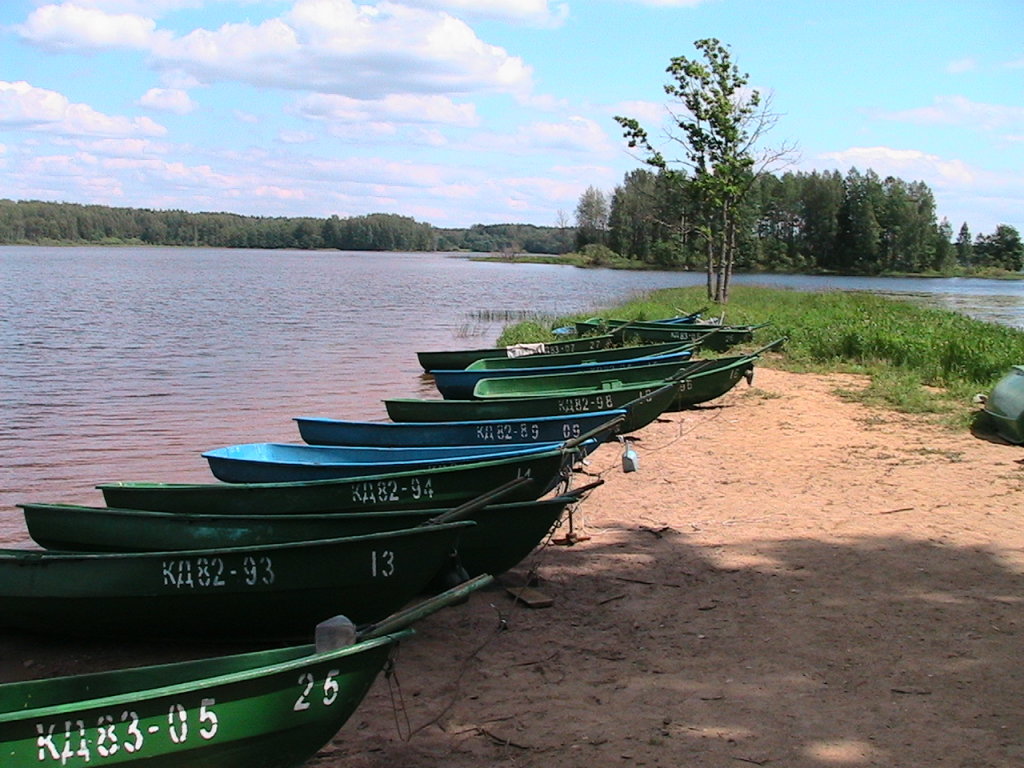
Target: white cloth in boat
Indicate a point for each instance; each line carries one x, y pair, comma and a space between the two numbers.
521, 350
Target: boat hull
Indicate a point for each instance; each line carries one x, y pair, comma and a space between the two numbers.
268, 591
268, 709
712, 337
459, 385
594, 381
287, 462
460, 358
319, 431
611, 354
444, 487
643, 404
504, 534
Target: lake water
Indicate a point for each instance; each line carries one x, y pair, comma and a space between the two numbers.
126, 364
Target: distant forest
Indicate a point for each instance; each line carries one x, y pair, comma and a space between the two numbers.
857, 223
34, 222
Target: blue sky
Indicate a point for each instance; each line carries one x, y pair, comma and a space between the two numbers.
459, 112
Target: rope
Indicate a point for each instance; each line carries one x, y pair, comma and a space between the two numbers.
500, 627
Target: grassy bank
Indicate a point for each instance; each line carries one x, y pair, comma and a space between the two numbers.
919, 359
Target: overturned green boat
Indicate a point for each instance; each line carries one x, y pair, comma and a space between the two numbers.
1005, 405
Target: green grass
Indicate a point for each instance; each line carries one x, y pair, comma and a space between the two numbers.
919, 359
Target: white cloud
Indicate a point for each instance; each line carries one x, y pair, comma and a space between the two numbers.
70, 27
537, 12
574, 134
168, 100
650, 114
909, 164
147, 7
960, 111
670, 3
360, 51
405, 108
959, 66
39, 109
296, 137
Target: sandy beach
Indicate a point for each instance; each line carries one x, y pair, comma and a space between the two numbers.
789, 579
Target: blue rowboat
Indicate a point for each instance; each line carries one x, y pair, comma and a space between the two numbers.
293, 462
459, 384
541, 429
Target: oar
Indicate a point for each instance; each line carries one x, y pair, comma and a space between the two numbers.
462, 511
402, 619
769, 346
609, 425
577, 492
692, 370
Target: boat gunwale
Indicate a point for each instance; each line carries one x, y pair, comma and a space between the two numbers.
190, 686
33, 556
229, 488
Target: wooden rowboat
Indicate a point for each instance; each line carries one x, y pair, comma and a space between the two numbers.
289, 462
265, 709
643, 404
422, 489
503, 535
268, 591
1005, 405
460, 358
455, 385
320, 431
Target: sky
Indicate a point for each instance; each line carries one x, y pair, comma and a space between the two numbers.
462, 112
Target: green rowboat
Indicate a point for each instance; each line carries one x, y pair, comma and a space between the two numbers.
543, 385
268, 591
699, 381
643, 404
503, 535
264, 709
609, 355
717, 338
455, 359
421, 489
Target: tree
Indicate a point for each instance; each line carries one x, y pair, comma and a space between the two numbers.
631, 217
591, 218
1002, 249
964, 249
717, 127
945, 253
